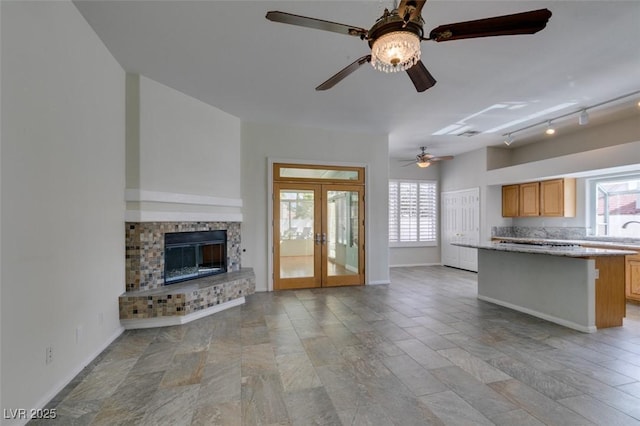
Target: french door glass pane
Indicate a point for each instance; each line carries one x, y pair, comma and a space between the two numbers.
296, 233
342, 233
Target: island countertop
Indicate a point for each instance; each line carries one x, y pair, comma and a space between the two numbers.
559, 248
618, 245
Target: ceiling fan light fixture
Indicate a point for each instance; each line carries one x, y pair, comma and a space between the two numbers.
423, 164
395, 51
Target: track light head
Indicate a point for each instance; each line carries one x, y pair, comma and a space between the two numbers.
509, 140
583, 119
550, 130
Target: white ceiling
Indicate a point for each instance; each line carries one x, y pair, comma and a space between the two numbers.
227, 54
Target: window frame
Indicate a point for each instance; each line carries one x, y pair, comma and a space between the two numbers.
592, 197
433, 241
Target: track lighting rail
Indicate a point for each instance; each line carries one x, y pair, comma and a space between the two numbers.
581, 113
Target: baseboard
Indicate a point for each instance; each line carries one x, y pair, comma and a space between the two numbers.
133, 324
64, 382
378, 282
542, 315
411, 265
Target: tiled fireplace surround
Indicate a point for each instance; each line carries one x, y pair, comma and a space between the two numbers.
146, 296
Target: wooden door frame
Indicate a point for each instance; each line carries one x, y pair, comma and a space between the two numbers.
270, 200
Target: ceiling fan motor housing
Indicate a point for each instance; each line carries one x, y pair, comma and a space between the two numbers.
393, 22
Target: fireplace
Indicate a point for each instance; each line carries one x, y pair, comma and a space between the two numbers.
190, 255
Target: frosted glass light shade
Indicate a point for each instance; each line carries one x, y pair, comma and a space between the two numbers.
395, 51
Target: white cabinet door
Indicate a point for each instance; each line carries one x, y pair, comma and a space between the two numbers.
460, 223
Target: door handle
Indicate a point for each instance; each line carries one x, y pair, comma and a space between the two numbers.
317, 239
324, 238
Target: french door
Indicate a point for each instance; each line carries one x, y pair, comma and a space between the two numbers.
318, 234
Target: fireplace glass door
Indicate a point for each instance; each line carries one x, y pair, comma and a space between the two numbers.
190, 255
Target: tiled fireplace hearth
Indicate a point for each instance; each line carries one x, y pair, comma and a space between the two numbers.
148, 302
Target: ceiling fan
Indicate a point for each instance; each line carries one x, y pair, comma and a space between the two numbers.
424, 159
395, 37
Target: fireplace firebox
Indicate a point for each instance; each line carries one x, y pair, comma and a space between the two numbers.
190, 255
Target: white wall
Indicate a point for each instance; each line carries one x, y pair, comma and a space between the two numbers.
62, 196
263, 141
1, 405
183, 156
412, 256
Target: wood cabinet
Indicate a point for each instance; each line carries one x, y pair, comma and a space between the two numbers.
521, 200
558, 198
632, 277
631, 271
550, 198
529, 204
510, 200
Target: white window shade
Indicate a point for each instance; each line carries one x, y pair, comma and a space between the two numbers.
412, 213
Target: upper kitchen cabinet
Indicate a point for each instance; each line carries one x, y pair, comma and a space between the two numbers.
521, 200
529, 199
550, 198
558, 197
510, 197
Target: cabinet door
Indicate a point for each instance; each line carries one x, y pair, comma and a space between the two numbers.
510, 195
529, 203
633, 277
558, 197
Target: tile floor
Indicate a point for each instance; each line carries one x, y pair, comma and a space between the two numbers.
420, 351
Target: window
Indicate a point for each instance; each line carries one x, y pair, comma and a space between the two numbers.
615, 206
412, 213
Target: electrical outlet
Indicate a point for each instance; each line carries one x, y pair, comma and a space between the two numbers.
48, 355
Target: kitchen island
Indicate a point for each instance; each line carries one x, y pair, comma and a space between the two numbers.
578, 287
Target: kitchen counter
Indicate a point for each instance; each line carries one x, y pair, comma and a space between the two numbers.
582, 288
549, 247
619, 245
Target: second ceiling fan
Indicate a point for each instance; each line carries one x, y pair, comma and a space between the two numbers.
424, 159
395, 37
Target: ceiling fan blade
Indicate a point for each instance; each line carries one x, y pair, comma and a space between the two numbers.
340, 75
318, 24
520, 23
444, 157
420, 77
410, 10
